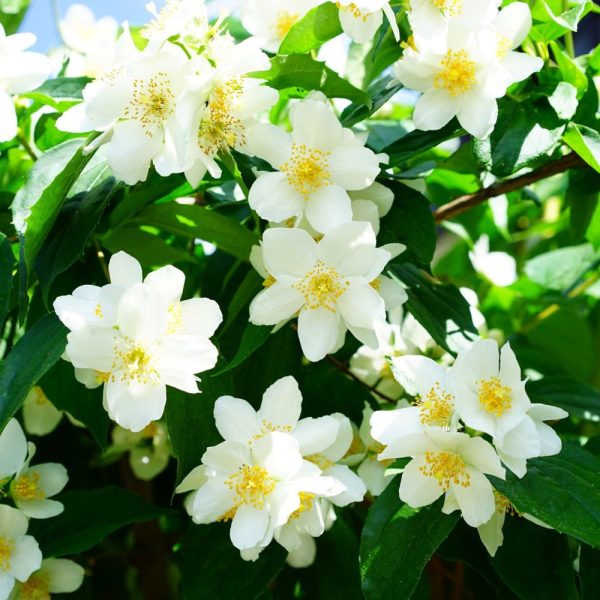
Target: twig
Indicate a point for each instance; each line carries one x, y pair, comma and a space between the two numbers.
464, 203
340, 366
26, 145
101, 259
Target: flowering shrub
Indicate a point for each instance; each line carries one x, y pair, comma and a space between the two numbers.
301, 302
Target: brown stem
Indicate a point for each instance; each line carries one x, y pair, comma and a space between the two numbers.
340, 366
464, 203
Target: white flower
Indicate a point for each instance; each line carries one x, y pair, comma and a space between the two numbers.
20, 554
328, 283
149, 450
464, 75
430, 18
221, 105
530, 438
271, 20
317, 165
435, 406
372, 204
13, 450
40, 416
499, 267
138, 337
134, 106
92, 42
55, 576
445, 462
20, 72
360, 19
489, 393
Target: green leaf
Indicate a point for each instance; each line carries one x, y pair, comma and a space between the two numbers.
561, 491
583, 194
524, 133
576, 397
190, 421
66, 393
253, 338
70, 233
585, 142
416, 142
550, 577
32, 356
319, 25
563, 99
62, 88
198, 222
380, 92
410, 222
211, 567
89, 517
440, 308
570, 71
12, 13
303, 72
560, 269
7, 263
397, 543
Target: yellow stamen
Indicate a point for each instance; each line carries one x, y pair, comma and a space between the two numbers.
27, 487
306, 504
134, 362
37, 587
307, 170
321, 287
251, 485
436, 408
447, 467
458, 73
284, 22
6, 549
321, 461
494, 397
451, 8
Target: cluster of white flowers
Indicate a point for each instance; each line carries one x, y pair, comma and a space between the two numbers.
23, 571
136, 336
481, 394
275, 476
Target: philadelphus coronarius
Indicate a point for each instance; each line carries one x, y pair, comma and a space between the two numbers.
317, 164
55, 576
20, 554
136, 337
331, 285
272, 473
463, 72
482, 391
360, 19
20, 72
30, 487
271, 20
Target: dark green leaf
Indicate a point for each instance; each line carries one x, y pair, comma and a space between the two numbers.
305, 73
31, 357
574, 396
319, 25
397, 543
89, 517
440, 308
253, 338
211, 567
535, 562
197, 222
70, 233
7, 263
582, 195
561, 491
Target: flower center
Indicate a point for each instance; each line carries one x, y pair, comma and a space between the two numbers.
152, 102
354, 11
6, 550
504, 46
306, 504
251, 485
436, 408
220, 129
321, 287
457, 74
320, 461
494, 397
27, 487
452, 8
504, 505
268, 427
284, 22
175, 318
307, 170
36, 588
134, 362
447, 467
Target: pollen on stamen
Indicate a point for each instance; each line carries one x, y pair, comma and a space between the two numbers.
457, 75
451, 8
37, 587
284, 22
6, 549
27, 487
307, 170
251, 485
494, 397
321, 287
436, 408
134, 363
447, 468
306, 504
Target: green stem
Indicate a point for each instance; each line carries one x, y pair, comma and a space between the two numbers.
26, 145
568, 37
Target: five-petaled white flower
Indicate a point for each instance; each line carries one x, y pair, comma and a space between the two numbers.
55, 576
20, 554
317, 165
443, 462
464, 75
327, 283
20, 72
360, 19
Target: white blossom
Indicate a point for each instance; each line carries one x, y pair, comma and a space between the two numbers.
40, 416
327, 283
360, 19
499, 267
55, 576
